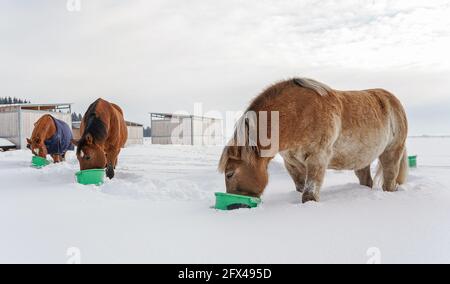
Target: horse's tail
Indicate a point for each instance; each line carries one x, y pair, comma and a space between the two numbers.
402, 172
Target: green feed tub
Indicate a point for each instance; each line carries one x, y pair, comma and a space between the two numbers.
91, 177
226, 201
39, 162
412, 161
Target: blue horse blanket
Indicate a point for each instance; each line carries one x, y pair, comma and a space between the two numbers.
61, 142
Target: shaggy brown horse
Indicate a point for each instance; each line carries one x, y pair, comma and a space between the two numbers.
50, 137
104, 133
319, 129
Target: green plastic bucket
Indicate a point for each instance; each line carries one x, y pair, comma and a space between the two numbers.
91, 177
412, 160
226, 201
39, 162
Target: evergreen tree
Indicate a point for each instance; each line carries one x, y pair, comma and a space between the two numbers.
10, 100
76, 116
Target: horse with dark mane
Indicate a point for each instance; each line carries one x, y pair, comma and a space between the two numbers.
104, 133
320, 128
52, 137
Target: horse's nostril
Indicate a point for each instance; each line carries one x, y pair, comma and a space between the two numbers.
239, 190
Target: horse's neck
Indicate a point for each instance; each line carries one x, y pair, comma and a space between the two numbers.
51, 130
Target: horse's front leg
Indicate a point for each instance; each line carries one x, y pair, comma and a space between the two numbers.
56, 158
111, 158
316, 166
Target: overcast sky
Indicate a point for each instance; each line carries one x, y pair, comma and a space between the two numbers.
166, 55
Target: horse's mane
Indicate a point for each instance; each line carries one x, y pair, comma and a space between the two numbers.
318, 87
249, 152
94, 126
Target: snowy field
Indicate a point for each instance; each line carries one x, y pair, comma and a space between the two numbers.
158, 210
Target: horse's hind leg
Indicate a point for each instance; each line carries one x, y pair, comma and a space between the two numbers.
390, 163
364, 176
298, 173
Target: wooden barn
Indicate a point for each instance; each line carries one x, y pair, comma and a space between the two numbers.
17, 121
185, 129
135, 132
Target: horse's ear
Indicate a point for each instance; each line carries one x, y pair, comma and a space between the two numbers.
89, 139
75, 142
29, 141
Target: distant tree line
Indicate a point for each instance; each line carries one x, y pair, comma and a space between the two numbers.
11, 101
76, 116
147, 132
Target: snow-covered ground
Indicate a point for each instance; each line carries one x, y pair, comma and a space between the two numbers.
158, 210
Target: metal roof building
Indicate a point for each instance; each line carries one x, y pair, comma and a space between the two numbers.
17, 120
185, 129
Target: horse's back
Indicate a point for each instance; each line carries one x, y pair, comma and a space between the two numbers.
396, 109
371, 109
42, 124
117, 108
112, 116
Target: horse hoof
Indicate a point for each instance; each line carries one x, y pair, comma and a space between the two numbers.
309, 196
390, 189
110, 173
369, 184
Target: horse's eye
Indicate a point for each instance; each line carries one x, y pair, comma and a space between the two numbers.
87, 158
229, 174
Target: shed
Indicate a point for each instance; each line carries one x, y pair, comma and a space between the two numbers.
185, 129
17, 120
6, 145
135, 132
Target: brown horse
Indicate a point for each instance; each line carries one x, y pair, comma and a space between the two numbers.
104, 133
319, 129
50, 137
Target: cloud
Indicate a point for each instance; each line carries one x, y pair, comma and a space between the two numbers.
165, 55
